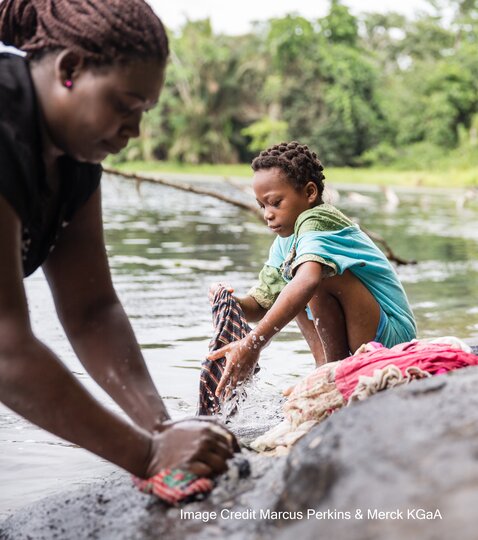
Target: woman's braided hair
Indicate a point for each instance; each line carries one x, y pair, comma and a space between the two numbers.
296, 161
101, 31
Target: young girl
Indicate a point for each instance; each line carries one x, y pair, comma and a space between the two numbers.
92, 68
321, 261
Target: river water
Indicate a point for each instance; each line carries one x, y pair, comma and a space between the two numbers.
166, 246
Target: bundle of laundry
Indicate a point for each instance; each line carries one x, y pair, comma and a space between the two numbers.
371, 369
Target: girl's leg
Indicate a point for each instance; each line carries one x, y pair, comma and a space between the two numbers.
345, 313
311, 335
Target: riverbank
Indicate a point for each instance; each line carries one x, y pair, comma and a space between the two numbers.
451, 178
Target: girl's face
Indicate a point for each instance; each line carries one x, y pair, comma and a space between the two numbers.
281, 201
102, 110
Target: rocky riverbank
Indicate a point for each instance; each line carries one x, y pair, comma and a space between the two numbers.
403, 463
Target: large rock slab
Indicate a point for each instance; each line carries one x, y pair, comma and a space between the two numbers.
411, 451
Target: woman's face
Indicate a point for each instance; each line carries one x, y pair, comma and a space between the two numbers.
102, 110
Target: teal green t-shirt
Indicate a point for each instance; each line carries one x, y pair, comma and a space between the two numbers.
325, 235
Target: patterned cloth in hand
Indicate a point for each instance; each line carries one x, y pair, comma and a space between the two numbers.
175, 486
229, 325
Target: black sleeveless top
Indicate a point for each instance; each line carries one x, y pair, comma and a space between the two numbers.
22, 173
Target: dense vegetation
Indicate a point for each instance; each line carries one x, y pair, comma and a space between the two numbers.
378, 89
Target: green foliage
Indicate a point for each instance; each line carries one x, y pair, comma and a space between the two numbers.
289, 39
209, 81
383, 154
351, 120
425, 38
340, 26
371, 90
265, 133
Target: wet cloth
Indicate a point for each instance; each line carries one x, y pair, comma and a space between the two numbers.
175, 486
229, 325
374, 368
324, 235
23, 181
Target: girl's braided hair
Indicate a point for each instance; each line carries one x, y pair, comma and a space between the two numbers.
101, 31
296, 161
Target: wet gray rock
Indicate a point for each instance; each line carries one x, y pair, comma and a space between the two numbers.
407, 451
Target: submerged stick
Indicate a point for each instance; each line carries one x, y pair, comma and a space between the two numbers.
240, 204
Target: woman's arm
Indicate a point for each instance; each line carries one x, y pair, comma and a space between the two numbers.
241, 356
35, 384
94, 319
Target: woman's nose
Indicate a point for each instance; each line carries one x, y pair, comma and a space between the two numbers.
130, 127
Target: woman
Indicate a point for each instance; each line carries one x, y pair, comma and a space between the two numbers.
91, 69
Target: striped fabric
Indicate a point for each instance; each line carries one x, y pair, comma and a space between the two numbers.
229, 325
175, 485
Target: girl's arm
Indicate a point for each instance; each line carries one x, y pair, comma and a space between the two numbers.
309, 331
251, 308
241, 356
253, 311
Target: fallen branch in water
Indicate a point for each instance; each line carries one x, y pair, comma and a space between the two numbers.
187, 187
240, 204
386, 248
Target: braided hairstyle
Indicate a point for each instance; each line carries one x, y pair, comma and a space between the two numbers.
299, 164
103, 32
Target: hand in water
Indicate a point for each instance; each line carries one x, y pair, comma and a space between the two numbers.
241, 359
214, 287
199, 446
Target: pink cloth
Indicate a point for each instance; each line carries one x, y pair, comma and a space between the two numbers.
434, 358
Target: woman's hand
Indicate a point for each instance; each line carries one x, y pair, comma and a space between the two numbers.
199, 446
241, 359
214, 287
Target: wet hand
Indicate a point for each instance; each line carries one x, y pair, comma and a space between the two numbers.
241, 359
199, 446
214, 287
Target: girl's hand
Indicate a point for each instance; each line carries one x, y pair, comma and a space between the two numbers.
241, 359
214, 287
198, 446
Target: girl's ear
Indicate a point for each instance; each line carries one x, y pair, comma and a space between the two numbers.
312, 191
68, 66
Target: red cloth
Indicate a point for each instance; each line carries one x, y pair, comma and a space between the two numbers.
174, 486
434, 358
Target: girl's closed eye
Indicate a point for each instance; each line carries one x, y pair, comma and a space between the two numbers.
276, 204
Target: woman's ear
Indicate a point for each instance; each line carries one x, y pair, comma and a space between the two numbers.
312, 191
68, 65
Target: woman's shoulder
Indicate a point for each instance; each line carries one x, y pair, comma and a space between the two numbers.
321, 218
15, 84
18, 108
